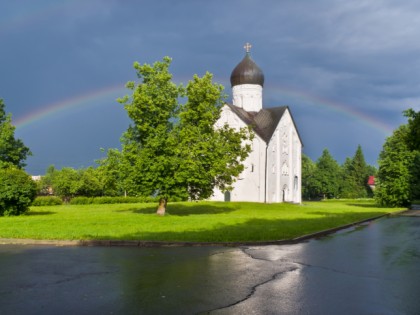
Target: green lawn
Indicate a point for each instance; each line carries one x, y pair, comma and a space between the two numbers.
187, 221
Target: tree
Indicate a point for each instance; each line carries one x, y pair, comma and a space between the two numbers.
173, 149
66, 183
113, 174
399, 164
17, 191
348, 185
355, 176
413, 143
394, 174
413, 134
308, 172
90, 183
327, 177
12, 151
45, 184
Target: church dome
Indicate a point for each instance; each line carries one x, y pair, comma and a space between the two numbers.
247, 72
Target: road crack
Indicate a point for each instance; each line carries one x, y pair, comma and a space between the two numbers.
252, 291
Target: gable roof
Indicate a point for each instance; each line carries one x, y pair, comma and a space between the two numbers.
264, 122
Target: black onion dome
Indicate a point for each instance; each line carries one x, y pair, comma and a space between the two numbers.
247, 72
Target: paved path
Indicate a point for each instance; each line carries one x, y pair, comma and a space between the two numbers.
371, 269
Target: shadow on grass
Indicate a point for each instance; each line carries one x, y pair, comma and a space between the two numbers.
184, 210
366, 205
253, 230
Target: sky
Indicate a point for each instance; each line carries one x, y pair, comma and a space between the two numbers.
346, 69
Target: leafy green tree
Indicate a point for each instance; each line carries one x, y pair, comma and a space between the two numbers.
90, 183
66, 183
308, 172
327, 177
394, 174
415, 176
173, 149
413, 143
413, 134
116, 173
355, 176
17, 191
113, 174
399, 164
12, 151
348, 187
45, 183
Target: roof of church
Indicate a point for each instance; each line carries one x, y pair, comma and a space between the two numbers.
264, 122
247, 72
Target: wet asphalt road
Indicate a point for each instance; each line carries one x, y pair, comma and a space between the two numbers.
372, 269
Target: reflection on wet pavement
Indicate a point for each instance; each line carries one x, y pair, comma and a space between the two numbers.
374, 269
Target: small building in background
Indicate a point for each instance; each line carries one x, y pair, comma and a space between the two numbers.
371, 182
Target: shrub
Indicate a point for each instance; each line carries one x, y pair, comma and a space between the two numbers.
47, 201
81, 201
110, 200
17, 191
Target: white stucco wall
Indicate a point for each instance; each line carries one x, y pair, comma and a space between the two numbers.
250, 184
284, 163
283, 181
248, 97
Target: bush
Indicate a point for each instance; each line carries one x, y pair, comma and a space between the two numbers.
17, 191
111, 200
81, 201
47, 201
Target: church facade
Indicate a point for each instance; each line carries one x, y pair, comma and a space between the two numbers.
273, 168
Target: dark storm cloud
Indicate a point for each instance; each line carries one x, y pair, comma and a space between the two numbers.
360, 55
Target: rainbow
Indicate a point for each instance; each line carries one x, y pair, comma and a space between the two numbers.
105, 94
32, 14
332, 106
84, 100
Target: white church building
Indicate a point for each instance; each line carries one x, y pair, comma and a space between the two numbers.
273, 169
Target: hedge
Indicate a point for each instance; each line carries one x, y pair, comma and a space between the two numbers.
47, 201
110, 200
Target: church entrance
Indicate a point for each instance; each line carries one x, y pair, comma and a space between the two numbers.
227, 195
284, 193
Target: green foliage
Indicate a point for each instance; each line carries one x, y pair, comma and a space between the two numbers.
394, 174
68, 182
12, 151
17, 191
110, 200
327, 176
415, 176
413, 134
308, 173
355, 176
326, 179
41, 201
113, 173
173, 149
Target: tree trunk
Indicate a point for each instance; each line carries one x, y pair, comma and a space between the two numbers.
162, 206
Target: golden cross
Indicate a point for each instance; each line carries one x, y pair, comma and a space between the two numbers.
247, 47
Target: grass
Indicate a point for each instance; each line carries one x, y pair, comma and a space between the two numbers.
187, 221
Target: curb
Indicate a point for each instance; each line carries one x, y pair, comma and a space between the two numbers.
128, 243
